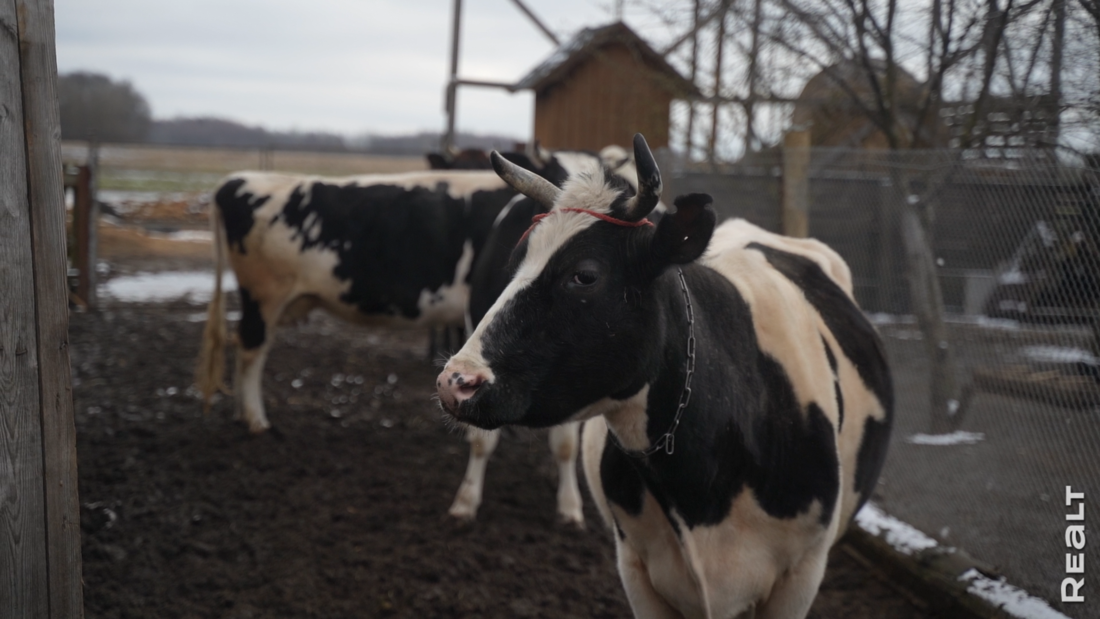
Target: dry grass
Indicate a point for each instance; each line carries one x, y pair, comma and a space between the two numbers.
133, 243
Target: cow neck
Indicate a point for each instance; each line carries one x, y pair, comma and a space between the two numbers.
667, 441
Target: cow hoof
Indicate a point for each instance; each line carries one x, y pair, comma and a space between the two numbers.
462, 513
575, 521
258, 427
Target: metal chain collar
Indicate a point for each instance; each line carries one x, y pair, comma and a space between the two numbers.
667, 442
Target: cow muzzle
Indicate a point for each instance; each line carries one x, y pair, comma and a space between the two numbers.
457, 384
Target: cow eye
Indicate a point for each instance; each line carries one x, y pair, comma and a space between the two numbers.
584, 275
584, 278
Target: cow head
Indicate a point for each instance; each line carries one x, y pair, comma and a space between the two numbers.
579, 319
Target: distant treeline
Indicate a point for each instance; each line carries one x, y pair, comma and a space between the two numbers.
94, 107
221, 132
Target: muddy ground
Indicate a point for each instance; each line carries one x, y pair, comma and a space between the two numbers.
340, 510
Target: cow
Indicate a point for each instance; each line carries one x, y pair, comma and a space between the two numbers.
740, 403
383, 249
488, 279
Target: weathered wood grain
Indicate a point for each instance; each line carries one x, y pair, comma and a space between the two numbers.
23, 560
42, 133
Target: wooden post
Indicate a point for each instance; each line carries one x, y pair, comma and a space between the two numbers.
93, 229
39, 509
795, 217
84, 223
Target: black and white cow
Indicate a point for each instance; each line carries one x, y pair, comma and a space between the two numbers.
391, 249
740, 402
488, 280
383, 249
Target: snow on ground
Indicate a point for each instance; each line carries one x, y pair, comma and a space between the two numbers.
903, 537
193, 286
1059, 354
908, 540
1015, 601
958, 437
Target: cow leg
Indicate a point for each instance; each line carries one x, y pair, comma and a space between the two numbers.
644, 599
255, 331
563, 444
794, 593
482, 444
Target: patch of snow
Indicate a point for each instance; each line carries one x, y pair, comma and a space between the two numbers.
186, 236
1003, 324
880, 319
908, 540
1013, 276
903, 537
232, 315
1014, 601
1059, 354
192, 286
954, 438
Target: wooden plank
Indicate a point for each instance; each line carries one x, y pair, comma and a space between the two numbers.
23, 558
796, 183
1048, 386
82, 225
42, 132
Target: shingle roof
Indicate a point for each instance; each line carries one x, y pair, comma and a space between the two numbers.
586, 43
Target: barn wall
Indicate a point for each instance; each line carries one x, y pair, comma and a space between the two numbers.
605, 100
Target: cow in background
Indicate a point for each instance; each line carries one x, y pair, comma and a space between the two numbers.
740, 402
377, 249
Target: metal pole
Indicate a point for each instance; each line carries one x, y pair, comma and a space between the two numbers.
538, 22
712, 145
449, 136
688, 137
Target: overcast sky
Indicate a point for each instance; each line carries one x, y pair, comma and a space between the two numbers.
349, 66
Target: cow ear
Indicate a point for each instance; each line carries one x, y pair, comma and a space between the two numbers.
683, 236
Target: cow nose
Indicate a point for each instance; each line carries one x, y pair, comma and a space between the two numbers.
456, 385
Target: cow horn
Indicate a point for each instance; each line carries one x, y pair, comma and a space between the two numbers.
649, 182
528, 183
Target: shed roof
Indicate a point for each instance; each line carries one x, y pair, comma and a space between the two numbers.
587, 43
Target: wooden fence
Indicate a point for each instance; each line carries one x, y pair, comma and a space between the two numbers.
39, 509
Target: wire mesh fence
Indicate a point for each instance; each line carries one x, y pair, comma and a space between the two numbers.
1000, 412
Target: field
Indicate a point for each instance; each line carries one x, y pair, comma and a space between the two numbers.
339, 510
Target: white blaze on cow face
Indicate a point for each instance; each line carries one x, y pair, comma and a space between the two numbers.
585, 188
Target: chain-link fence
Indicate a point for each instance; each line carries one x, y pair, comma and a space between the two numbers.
999, 412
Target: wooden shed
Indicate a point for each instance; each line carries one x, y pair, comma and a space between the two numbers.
602, 87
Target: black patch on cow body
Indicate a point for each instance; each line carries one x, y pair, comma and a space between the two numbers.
742, 429
391, 242
860, 344
622, 484
871, 457
836, 384
251, 328
855, 335
237, 211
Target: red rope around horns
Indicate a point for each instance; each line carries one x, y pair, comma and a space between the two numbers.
618, 222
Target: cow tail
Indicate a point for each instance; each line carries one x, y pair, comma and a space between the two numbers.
210, 372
